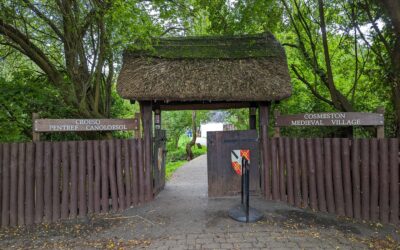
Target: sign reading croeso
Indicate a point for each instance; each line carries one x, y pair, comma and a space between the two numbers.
70, 125
331, 119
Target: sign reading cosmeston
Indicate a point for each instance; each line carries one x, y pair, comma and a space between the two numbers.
331, 119
68, 125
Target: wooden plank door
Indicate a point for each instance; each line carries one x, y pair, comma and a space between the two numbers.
222, 179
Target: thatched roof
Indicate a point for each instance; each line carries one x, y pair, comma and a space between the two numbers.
237, 68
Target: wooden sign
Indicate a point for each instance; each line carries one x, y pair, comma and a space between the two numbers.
70, 125
331, 119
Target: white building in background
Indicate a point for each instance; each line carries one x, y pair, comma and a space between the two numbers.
212, 126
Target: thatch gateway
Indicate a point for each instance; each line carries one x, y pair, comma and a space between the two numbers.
249, 68
209, 72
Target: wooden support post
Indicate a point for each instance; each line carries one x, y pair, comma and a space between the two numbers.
137, 131
264, 121
380, 130
35, 135
156, 155
252, 118
157, 119
147, 121
277, 130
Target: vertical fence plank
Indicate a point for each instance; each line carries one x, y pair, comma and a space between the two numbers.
39, 182
355, 174
281, 162
330, 199
29, 187
112, 176
82, 178
374, 168
266, 160
394, 180
73, 209
13, 184
365, 165
304, 171
274, 165
5, 202
127, 172
65, 180
120, 180
289, 171
311, 174
319, 167
21, 183
296, 173
337, 177
90, 176
348, 198
104, 178
135, 157
140, 170
47, 182
97, 176
384, 184
56, 166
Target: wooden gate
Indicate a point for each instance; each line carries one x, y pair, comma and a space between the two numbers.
222, 179
159, 160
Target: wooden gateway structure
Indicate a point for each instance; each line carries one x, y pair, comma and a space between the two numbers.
192, 73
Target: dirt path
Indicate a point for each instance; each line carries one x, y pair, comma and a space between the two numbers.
183, 217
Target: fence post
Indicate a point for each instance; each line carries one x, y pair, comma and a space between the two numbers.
277, 130
380, 130
35, 135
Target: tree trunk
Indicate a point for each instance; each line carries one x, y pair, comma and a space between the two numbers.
189, 145
392, 8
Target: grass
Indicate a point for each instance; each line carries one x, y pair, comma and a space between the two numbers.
176, 157
171, 167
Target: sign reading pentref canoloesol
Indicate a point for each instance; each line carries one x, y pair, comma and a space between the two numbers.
331, 119
70, 125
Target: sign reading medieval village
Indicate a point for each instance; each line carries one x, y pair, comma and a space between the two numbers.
70, 125
331, 119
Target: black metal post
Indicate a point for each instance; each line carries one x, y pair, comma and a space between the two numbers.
242, 179
247, 171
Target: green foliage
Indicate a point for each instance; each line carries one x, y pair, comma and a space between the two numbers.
176, 123
21, 95
176, 157
178, 154
171, 167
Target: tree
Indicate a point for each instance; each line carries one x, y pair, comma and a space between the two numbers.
192, 142
392, 9
73, 43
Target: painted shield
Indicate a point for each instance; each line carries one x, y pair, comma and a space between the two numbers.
236, 159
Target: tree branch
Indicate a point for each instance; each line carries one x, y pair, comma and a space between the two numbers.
44, 18
30, 50
313, 91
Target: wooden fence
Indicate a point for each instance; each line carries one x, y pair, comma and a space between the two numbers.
357, 178
49, 181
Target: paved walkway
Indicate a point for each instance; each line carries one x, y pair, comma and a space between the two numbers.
183, 217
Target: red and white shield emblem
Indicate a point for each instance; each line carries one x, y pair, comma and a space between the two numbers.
236, 159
